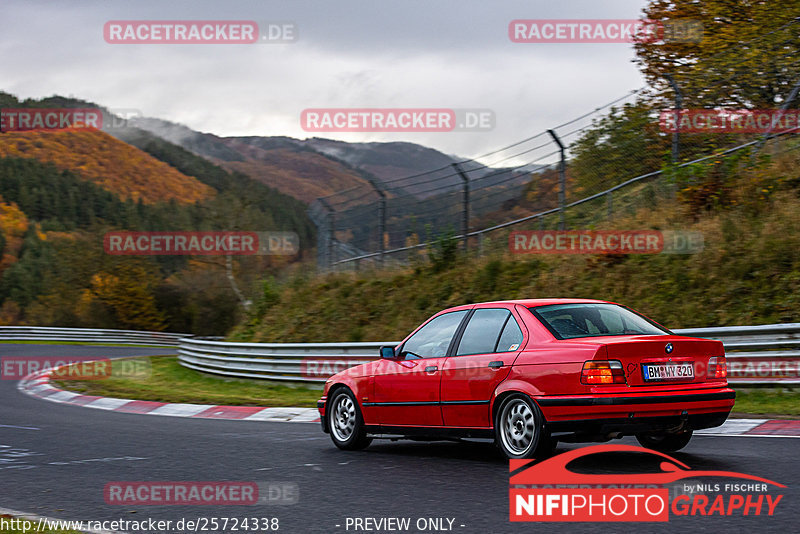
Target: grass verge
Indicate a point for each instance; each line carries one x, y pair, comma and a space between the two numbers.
773, 402
168, 381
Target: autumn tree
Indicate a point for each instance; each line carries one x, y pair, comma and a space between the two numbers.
621, 145
127, 293
747, 58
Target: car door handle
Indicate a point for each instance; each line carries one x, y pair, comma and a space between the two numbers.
431, 369
497, 364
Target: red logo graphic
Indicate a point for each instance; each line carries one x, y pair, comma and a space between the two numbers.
537, 491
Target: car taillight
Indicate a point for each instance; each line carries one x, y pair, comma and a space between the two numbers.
717, 367
602, 372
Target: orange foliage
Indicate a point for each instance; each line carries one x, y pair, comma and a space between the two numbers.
108, 162
13, 225
303, 175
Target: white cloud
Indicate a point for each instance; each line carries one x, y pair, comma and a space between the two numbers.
349, 54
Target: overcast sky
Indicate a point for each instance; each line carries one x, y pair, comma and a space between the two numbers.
364, 53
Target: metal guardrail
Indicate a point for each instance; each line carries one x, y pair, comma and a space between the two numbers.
762, 355
90, 335
291, 362
757, 355
754, 356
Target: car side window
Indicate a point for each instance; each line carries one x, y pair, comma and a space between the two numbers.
433, 339
482, 331
511, 338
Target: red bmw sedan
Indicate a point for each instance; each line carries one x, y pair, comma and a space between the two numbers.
530, 373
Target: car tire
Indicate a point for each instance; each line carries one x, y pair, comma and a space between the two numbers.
520, 430
345, 422
665, 442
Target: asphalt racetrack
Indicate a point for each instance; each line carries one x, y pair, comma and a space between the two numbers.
55, 460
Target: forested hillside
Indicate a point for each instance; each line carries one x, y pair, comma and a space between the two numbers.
113, 165
61, 191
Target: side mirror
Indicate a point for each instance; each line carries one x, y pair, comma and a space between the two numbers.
387, 353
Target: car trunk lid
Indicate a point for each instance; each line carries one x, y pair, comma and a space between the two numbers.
659, 360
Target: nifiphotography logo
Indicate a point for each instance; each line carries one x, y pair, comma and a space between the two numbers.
550, 491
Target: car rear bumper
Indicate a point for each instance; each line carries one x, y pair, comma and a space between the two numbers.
702, 408
595, 429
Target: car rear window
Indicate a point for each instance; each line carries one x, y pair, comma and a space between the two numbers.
567, 321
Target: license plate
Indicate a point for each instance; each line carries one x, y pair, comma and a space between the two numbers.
667, 371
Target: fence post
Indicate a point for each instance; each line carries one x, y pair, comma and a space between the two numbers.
678, 108
331, 231
562, 182
784, 107
465, 206
381, 218
321, 222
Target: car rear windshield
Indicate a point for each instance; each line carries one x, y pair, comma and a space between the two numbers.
567, 321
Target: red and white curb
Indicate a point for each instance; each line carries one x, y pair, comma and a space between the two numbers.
774, 428
38, 385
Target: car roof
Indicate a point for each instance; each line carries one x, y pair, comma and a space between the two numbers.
528, 303
545, 302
